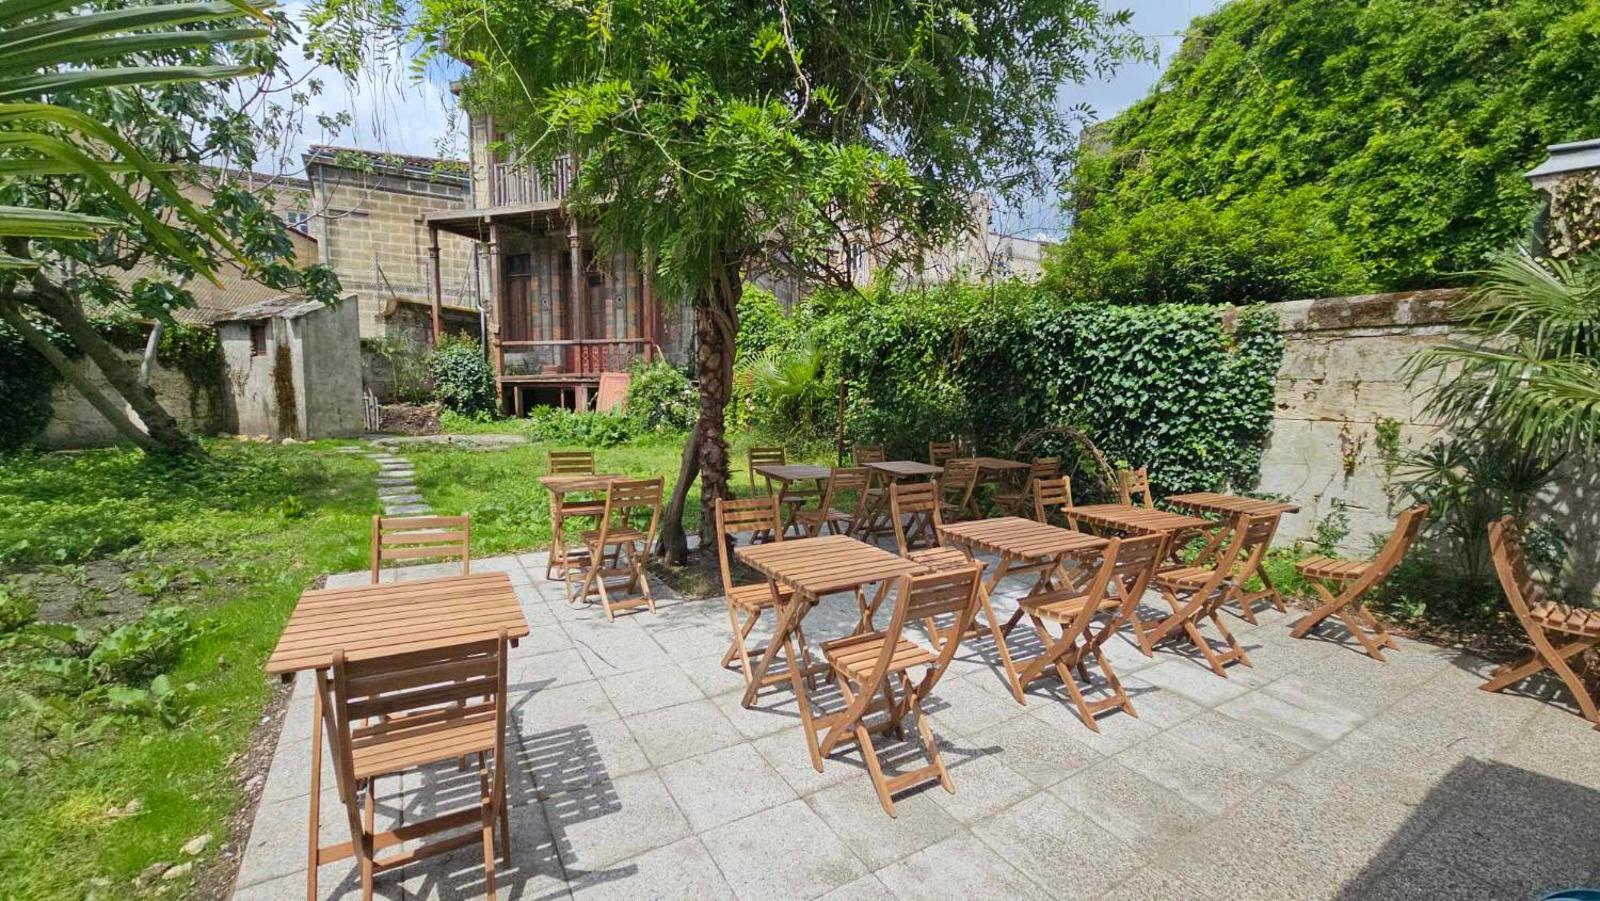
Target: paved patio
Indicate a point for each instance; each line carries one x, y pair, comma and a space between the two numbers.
1319, 773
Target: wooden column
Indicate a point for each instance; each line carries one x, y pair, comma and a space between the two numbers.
497, 302
577, 290
652, 316
437, 281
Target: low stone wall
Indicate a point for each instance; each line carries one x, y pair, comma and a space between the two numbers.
74, 423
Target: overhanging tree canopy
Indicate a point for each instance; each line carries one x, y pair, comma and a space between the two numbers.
720, 136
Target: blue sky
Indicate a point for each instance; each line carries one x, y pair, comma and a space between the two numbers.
395, 113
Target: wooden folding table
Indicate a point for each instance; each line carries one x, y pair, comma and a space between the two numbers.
1227, 506
784, 474
887, 473
374, 621
1024, 547
811, 568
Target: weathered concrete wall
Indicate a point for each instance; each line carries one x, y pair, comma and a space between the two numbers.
74, 423
1343, 375
250, 377
330, 371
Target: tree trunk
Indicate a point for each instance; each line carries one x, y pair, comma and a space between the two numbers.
716, 324
674, 545
75, 377
163, 430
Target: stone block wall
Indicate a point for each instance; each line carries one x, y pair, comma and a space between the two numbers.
74, 423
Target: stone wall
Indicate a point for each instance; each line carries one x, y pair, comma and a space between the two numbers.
1342, 376
74, 423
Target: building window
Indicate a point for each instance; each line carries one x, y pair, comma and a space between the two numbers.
591, 267
258, 338
299, 220
518, 264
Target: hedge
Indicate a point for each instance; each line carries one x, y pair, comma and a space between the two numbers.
1185, 390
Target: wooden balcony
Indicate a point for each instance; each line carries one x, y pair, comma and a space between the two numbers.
511, 184
582, 360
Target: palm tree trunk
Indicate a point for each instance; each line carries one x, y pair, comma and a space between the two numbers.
706, 454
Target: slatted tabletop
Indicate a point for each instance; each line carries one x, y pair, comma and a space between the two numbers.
1229, 504
824, 565
997, 464
1137, 520
395, 617
794, 472
906, 469
564, 484
1020, 537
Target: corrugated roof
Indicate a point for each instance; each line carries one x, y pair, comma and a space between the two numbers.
433, 166
1574, 157
287, 306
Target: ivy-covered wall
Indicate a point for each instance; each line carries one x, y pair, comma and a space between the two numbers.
1185, 390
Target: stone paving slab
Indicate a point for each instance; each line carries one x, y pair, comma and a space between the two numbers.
1318, 773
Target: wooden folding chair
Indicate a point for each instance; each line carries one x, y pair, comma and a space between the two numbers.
569, 463
862, 454
419, 538
572, 463
389, 715
1019, 501
1051, 494
1579, 627
619, 548
1197, 593
1114, 590
917, 513
957, 487
866, 666
1133, 486
1254, 549
763, 456
940, 452
850, 481
758, 516
1353, 579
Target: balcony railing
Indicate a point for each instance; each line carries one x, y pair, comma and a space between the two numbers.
511, 184
587, 358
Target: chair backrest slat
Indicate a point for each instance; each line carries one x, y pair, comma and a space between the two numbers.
572, 463
763, 456
1406, 529
862, 454
1511, 565
1044, 468
1051, 494
913, 499
420, 538
939, 452
756, 515
1132, 483
631, 499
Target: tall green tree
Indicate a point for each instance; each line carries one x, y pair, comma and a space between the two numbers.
719, 137
108, 110
1390, 133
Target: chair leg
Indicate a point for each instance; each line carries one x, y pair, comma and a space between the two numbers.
1312, 620
1374, 649
869, 751
929, 742
1236, 649
370, 819
739, 647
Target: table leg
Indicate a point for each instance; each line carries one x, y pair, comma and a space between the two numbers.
988, 588
870, 611
787, 616
803, 701
1272, 590
558, 546
312, 845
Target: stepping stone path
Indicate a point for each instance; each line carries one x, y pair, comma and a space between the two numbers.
397, 490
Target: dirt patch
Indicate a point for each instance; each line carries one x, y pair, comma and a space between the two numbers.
106, 593
409, 419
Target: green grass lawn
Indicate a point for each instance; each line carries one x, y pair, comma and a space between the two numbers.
98, 538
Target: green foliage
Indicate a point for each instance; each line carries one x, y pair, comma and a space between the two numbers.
1186, 390
25, 382
1415, 122
762, 323
792, 398
660, 398
18, 608
1531, 369
462, 379
1261, 247
404, 363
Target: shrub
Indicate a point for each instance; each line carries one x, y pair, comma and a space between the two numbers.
462, 379
135, 653
403, 363
587, 428
17, 608
1185, 390
661, 398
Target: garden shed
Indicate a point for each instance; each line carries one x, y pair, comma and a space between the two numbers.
293, 368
